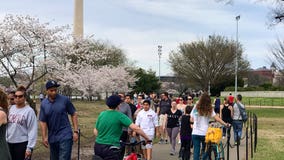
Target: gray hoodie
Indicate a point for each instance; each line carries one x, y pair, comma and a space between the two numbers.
22, 126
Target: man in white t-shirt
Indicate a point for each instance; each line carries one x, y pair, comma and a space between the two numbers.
147, 120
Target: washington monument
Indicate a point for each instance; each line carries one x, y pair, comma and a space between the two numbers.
78, 30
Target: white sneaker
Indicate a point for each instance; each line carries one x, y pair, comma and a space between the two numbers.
223, 137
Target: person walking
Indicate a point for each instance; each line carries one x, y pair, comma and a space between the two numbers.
11, 98
53, 117
237, 120
226, 114
200, 116
108, 129
129, 101
147, 120
4, 151
172, 122
185, 134
125, 109
217, 104
22, 127
164, 106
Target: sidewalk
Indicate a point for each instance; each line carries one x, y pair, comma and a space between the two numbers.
162, 151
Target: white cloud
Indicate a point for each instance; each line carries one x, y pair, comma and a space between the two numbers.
139, 26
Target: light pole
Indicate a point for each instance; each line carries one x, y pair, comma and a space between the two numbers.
159, 54
237, 46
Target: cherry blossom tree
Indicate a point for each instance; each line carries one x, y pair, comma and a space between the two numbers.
31, 51
89, 69
24, 46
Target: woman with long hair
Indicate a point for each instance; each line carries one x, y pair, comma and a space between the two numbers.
22, 127
4, 151
200, 116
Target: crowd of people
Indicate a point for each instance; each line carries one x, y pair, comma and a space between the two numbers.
170, 119
173, 120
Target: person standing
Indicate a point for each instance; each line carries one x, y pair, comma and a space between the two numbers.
22, 127
147, 120
53, 118
200, 116
237, 120
165, 105
172, 122
108, 129
4, 149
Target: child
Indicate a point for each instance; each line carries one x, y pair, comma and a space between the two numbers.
185, 135
147, 120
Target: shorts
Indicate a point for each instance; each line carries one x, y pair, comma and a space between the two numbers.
148, 145
162, 119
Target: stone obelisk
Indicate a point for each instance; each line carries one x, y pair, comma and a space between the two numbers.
78, 29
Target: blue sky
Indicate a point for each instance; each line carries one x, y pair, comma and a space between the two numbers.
139, 26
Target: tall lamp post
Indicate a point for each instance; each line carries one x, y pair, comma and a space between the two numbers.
159, 54
237, 46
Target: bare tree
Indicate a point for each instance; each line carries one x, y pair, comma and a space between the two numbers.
202, 63
276, 15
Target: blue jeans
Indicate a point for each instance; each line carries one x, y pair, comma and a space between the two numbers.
196, 140
237, 127
61, 150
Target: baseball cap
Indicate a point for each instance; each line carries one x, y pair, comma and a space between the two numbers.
51, 83
113, 101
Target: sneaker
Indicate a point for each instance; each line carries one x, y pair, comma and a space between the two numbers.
161, 141
172, 153
236, 143
223, 137
166, 141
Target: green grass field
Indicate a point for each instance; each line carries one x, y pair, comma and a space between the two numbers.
270, 133
260, 101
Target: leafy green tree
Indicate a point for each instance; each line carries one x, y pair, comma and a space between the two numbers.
201, 63
147, 81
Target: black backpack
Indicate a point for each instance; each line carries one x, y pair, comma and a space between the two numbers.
243, 113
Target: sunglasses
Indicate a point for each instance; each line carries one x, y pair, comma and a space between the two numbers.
19, 96
189, 99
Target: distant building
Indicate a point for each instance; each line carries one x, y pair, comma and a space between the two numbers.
264, 75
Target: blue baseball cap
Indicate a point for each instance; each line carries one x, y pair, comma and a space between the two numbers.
113, 101
51, 83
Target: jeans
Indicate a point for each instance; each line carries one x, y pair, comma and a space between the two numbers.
237, 127
197, 139
61, 150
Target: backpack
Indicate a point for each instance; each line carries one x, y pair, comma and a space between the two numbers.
243, 113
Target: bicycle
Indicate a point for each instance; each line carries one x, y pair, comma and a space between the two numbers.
213, 142
132, 151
